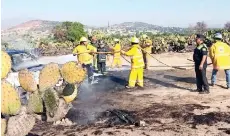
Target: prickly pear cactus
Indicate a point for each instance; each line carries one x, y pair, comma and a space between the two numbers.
61, 112
51, 101
49, 76
73, 73
10, 100
27, 80
3, 126
6, 64
35, 104
70, 93
20, 125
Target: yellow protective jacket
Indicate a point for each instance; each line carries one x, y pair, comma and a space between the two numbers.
136, 56
83, 54
220, 55
91, 48
148, 48
117, 48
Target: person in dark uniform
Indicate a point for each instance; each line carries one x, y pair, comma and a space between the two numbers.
101, 57
200, 59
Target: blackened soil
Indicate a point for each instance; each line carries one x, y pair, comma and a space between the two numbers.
110, 93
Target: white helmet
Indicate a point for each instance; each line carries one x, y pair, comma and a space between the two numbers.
116, 40
218, 36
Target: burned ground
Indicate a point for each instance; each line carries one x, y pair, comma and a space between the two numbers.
167, 106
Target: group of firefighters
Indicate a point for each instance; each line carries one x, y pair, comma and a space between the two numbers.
92, 56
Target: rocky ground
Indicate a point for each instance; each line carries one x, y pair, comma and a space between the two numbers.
166, 107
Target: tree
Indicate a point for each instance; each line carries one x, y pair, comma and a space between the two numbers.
227, 26
201, 27
60, 34
69, 31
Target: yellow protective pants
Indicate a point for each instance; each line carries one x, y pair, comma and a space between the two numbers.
116, 62
136, 76
146, 60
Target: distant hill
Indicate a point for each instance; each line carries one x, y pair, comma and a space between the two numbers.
34, 25
30, 32
140, 26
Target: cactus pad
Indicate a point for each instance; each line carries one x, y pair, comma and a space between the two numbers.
73, 73
3, 126
49, 76
6, 64
35, 104
70, 92
10, 100
51, 101
27, 80
62, 110
20, 125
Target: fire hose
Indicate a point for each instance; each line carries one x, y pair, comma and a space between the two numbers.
175, 67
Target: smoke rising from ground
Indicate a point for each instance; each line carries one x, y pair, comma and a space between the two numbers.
90, 103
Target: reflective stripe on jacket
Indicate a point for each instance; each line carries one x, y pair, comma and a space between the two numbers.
136, 56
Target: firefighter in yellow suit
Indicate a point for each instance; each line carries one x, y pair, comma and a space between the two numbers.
94, 60
84, 57
137, 64
147, 49
117, 54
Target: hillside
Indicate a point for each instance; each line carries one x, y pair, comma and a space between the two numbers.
28, 34
140, 26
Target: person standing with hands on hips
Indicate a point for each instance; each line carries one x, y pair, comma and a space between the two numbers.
200, 59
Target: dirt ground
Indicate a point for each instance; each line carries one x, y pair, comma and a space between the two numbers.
167, 105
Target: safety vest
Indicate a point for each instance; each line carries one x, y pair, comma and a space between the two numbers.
220, 55
136, 56
116, 48
83, 57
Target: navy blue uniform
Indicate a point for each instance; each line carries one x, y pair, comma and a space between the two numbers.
201, 79
101, 60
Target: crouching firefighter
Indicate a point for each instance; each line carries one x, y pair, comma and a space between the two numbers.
101, 57
137, 64
84, 57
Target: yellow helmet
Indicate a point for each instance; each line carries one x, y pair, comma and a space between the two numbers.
144, 36
83, 39
116, 40
134, 40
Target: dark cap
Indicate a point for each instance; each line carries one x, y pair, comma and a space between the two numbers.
200, 36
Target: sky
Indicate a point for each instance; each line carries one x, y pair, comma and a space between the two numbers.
178, 13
